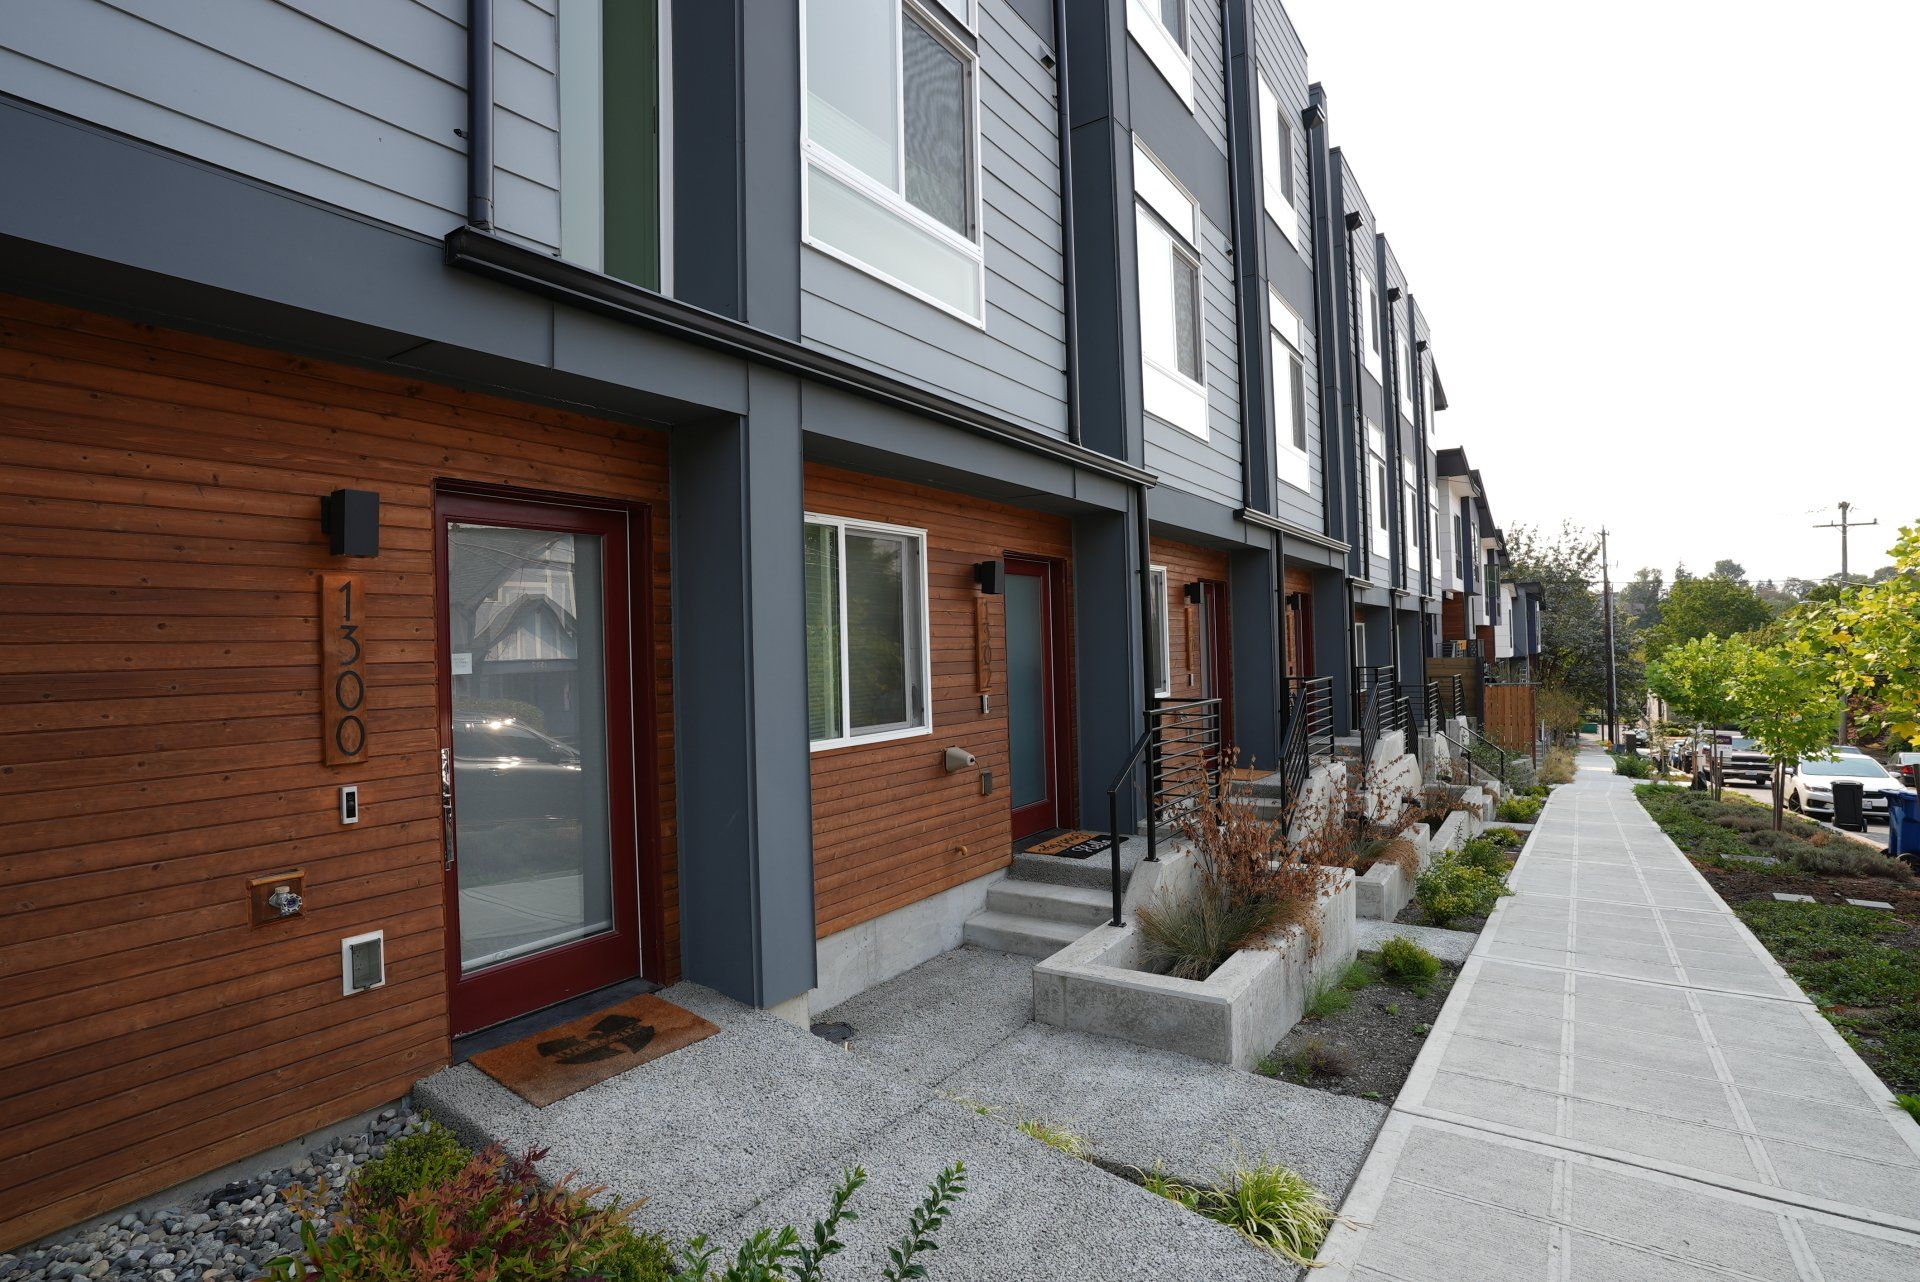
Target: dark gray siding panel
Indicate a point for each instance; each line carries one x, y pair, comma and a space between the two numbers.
1017, 366
352, 104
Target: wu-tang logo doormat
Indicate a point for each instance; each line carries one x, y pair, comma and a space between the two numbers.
559, 1062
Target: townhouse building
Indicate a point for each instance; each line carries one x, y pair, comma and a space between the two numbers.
519, 498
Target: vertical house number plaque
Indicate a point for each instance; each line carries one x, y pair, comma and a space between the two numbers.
343, 670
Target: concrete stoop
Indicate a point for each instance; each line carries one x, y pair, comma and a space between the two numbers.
1045, 902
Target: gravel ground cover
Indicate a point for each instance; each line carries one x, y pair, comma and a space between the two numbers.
227, 1235
1367, 1047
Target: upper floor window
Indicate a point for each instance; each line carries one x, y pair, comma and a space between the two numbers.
1276, 163
1172, 322
1379, 488
1433, 524
1403, 376
892, 148
1411, 499
867, 655
1159, 27
613, 158
1369, 324
1459, 548
1291, 461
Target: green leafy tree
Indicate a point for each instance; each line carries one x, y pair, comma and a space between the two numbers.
1640, 599
1785, 701
1867, 638
1730, 570
1573, 635
1696, 679
1709, 607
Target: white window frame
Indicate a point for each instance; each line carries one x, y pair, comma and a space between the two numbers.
841, 525
1403, 375
1379, 485
1157, 575
894, 202
1164, 211
583, 188
1293, 465
1369, 324
1433, 532
1273, 156
1167, 54
1360, 643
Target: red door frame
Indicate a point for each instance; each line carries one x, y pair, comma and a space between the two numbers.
1057, 809
635, 945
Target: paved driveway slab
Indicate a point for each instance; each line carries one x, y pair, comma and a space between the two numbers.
1623, 1084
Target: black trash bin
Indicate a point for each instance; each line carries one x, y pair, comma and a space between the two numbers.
1849, 812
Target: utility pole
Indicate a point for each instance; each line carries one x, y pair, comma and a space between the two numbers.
1606, 591
1843, 525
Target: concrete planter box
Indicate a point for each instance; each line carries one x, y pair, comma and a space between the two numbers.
1234, 1016
1384, 889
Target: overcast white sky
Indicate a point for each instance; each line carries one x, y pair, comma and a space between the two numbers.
1668, 252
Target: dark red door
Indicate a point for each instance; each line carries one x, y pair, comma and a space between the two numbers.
544, 837
1037, 771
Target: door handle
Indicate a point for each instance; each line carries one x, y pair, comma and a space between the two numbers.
446, 801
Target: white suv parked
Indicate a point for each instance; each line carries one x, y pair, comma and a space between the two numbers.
1810, 786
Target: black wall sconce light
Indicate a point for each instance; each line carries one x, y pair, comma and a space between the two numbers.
351, 520
1196, 593
991, 576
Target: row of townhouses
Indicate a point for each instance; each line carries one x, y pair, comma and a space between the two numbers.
512, 497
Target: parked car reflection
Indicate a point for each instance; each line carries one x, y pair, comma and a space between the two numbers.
507, 772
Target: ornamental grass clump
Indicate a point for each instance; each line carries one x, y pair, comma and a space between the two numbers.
1252, 886
1406, 962
1272, 1205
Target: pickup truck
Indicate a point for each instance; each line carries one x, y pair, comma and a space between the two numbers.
1741, 761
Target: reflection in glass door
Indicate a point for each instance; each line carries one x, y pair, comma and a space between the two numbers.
1035, 683
542, 868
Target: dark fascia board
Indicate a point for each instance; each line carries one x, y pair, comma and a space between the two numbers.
1292, 531
489, 255
1452, 461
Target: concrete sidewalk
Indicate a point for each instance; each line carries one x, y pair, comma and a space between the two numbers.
1624, 1085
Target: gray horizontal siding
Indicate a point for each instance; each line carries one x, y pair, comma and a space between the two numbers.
355, 103
1282, 62
1017, 367
1210, 468
1205, 43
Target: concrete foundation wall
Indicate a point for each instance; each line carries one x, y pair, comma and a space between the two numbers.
854, 960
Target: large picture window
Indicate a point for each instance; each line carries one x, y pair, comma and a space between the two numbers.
867, 656
1379, 491
1172, 324
1369, 326
1292, 463
891, 143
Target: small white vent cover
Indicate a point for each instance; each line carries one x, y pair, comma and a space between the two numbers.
363, 962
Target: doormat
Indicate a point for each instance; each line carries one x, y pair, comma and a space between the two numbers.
1247, 774
551, 1065
1069, 845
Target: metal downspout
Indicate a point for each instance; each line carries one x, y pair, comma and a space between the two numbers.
480, 114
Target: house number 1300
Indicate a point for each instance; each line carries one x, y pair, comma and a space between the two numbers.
343, 670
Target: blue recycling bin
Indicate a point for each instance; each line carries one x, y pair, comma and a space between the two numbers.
1903, 825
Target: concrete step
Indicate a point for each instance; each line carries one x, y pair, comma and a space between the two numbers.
1028, 936
1045, 901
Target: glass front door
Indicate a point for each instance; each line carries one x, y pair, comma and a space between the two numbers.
1034, 679
538, 755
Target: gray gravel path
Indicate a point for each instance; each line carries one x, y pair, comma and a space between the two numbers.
1623, 1084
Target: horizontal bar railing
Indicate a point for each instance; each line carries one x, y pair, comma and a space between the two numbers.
1309, 732
1183, 755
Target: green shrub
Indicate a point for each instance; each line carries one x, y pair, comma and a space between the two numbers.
1488, 856
1911, 1103
1632, 765
1452, 889
1847, 859
411, 1163
491, 1217
1520, 810
1505, 838
1403, 960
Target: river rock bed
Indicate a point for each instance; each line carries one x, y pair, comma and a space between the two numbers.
228, 1235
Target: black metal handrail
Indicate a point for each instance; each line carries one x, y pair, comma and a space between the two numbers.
1459, 696
1499, 750
1369, 677
1369, 732
1432, 709
1309, 732
1182, 751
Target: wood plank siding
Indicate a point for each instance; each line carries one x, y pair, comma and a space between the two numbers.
890, 825
159, 740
